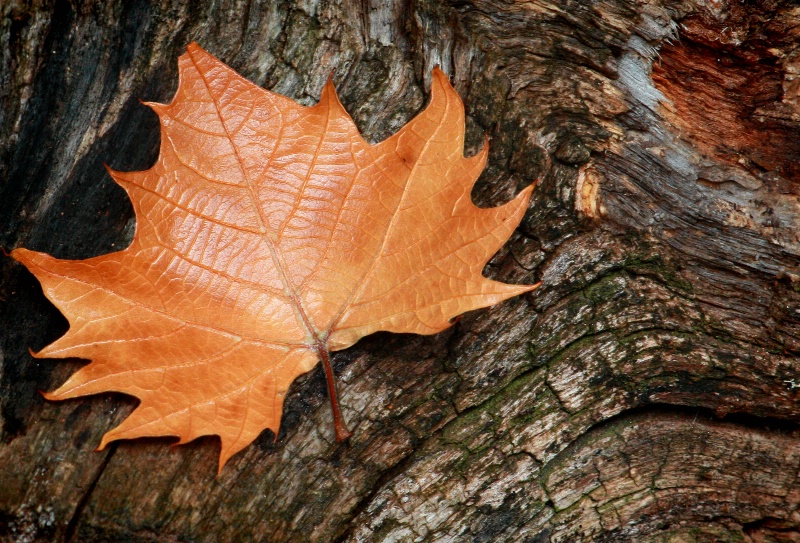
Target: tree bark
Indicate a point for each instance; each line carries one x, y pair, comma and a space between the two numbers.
648, 391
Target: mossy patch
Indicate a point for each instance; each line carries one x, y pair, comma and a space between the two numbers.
654, 266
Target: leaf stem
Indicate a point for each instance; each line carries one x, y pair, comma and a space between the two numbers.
342, 433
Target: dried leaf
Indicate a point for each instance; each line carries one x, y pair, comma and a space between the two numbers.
269, 234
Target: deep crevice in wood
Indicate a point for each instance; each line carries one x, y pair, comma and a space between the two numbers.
70, 531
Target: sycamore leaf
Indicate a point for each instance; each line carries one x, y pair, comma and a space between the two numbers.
267, 235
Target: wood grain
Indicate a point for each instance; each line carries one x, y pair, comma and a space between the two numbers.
645, 393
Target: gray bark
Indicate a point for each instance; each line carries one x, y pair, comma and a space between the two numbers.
646, 392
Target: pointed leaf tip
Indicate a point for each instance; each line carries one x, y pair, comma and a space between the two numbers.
329, 90
102, 445
36, 354
440, 76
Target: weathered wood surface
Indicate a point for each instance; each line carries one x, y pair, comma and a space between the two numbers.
644, 393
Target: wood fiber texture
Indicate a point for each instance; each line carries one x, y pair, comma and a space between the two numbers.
645, 393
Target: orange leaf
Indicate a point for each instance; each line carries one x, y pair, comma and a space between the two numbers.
269, 234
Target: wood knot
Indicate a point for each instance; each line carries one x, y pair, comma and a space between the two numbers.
586, 190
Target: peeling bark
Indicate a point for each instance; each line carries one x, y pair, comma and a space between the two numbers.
647, 392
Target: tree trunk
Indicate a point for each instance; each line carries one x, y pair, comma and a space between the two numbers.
646, 392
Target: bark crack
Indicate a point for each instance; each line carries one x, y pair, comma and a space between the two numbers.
71, 531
